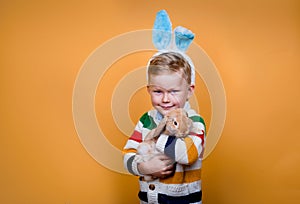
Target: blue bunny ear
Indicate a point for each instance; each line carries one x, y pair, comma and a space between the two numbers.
162, 31
183, 38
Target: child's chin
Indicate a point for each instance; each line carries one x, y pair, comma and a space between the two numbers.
164, 111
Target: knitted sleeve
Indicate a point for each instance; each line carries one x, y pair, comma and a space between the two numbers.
145, 124
185, 150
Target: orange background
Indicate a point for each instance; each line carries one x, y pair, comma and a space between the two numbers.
254, 44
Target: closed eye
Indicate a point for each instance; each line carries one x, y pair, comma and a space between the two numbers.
174, 91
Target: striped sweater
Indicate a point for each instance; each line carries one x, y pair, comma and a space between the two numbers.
184, 186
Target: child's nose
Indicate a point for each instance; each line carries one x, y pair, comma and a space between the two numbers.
166, 98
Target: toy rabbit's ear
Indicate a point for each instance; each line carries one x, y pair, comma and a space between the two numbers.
162, 31
160, 127
183, 38
190, 123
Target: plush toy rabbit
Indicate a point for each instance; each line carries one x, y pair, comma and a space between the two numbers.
175, 123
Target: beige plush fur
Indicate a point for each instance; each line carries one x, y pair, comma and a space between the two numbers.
176, 123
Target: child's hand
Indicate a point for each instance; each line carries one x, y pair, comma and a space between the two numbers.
159, 166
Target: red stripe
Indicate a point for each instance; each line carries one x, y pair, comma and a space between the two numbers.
201, 136
136, 136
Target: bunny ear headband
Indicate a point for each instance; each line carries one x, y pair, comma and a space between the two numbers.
166, 41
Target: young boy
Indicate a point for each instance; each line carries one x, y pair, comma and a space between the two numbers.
178, 166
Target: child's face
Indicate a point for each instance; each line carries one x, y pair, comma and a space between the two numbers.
169, 91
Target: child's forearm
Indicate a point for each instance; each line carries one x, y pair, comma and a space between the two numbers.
159, 166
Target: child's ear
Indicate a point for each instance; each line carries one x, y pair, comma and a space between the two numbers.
191, 90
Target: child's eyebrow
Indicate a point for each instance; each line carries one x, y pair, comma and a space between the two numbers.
161, 88
154, 87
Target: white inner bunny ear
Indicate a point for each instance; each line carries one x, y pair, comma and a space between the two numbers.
183, 38
162, 31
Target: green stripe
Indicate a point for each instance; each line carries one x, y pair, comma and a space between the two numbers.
197, 118
148, 121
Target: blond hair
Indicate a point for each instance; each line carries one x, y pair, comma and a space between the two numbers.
170, 62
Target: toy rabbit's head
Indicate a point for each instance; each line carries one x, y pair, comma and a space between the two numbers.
177, 123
